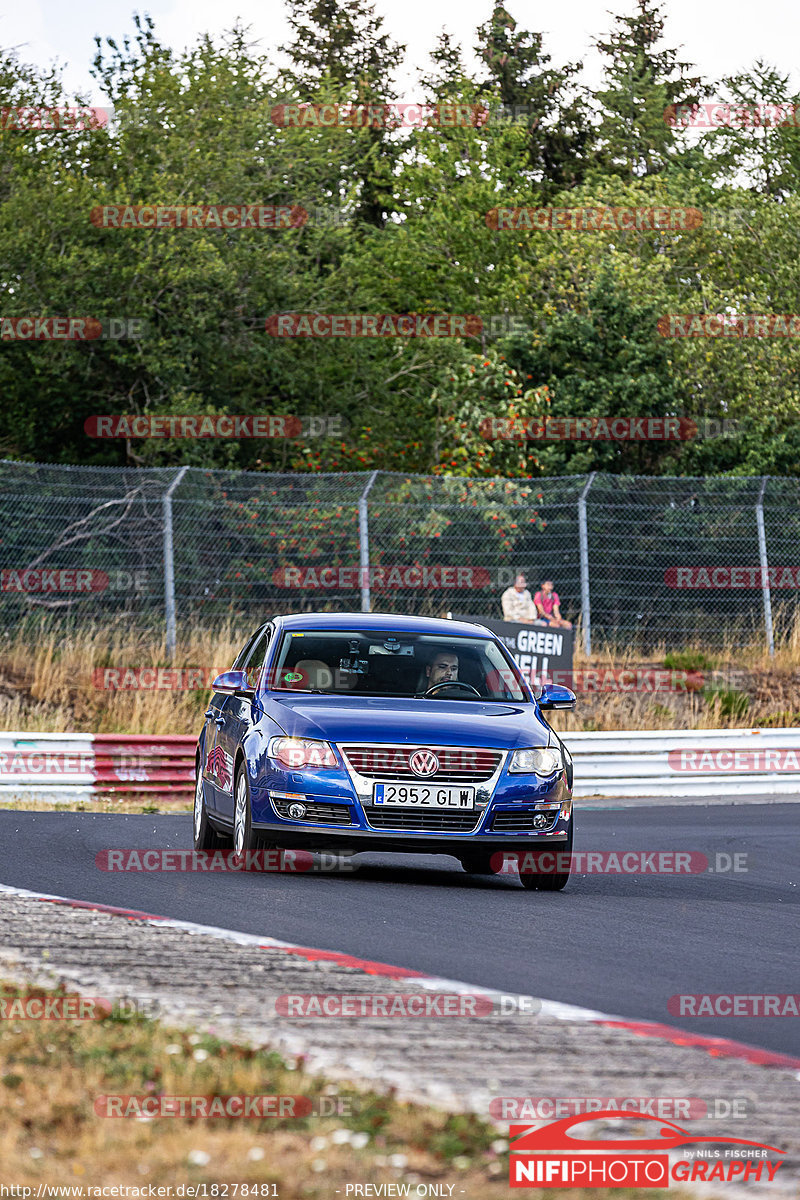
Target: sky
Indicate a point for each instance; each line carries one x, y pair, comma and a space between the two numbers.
720, 36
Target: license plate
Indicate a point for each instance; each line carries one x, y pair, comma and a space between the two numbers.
423, 795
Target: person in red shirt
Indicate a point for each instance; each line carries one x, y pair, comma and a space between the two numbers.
548, 607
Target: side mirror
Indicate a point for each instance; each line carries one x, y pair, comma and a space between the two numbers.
553, 695
231, 682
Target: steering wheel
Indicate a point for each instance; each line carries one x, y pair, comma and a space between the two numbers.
451, 683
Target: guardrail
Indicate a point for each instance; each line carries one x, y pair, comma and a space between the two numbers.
74, 767
686, 763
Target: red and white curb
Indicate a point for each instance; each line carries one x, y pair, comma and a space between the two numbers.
716, 1047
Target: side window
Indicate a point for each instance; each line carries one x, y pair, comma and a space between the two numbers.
255, 659
241, 657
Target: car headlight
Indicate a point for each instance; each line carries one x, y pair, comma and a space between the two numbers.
538, 762
302, 752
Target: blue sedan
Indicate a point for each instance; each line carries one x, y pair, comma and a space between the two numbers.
366, 731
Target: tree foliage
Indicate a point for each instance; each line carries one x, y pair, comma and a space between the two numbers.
562, 321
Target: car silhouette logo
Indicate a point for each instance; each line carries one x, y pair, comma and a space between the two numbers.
556, 1138
217, 767
424, 763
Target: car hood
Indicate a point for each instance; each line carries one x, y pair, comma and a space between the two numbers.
412, 722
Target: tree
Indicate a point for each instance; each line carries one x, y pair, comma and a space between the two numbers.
543, 99
758, 131
604, 361
642, 85
339, 51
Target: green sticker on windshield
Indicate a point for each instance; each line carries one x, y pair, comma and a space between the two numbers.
292, 677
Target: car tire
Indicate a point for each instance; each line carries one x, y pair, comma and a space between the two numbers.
205, 835
478, 862
245, 838
552, 881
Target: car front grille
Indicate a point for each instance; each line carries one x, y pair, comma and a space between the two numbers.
456, 764
521, 822
420, 819
325, 814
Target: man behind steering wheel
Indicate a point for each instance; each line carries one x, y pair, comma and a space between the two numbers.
443, 668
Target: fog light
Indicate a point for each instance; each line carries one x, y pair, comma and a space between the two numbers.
296, 811
540, 820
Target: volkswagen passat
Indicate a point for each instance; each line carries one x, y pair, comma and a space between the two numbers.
359, 731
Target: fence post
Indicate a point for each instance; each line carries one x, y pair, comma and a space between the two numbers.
169, 564
363, 541
762, 554
586, 611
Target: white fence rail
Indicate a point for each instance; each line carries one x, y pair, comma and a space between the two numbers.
69, 768
686, 763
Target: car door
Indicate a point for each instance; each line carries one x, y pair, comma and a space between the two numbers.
214, 760
237, 717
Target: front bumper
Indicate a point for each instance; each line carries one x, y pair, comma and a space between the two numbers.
339, 814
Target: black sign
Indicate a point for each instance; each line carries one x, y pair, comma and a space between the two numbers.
543, 654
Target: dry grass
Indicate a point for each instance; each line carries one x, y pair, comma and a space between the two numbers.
749, 655
47, 681
743, 687
51, 1073
101, 804
47, 684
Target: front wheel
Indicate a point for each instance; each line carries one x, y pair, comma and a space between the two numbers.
542, 880
205, 835
245, 837
478, 862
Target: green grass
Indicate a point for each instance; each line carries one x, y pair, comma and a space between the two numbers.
688, 660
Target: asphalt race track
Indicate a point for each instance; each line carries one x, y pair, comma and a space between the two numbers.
622, 944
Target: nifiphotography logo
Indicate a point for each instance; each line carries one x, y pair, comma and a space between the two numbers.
550, 1157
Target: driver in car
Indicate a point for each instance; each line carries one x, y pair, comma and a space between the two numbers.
443, 668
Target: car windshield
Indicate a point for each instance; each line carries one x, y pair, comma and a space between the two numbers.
394, 664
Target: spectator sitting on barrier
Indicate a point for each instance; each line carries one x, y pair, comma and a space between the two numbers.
547, 607
517, 603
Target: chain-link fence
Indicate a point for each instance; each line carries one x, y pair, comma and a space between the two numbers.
635, 560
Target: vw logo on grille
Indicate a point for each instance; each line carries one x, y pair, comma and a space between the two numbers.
424, 762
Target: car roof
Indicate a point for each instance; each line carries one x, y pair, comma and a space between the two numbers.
396, 622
